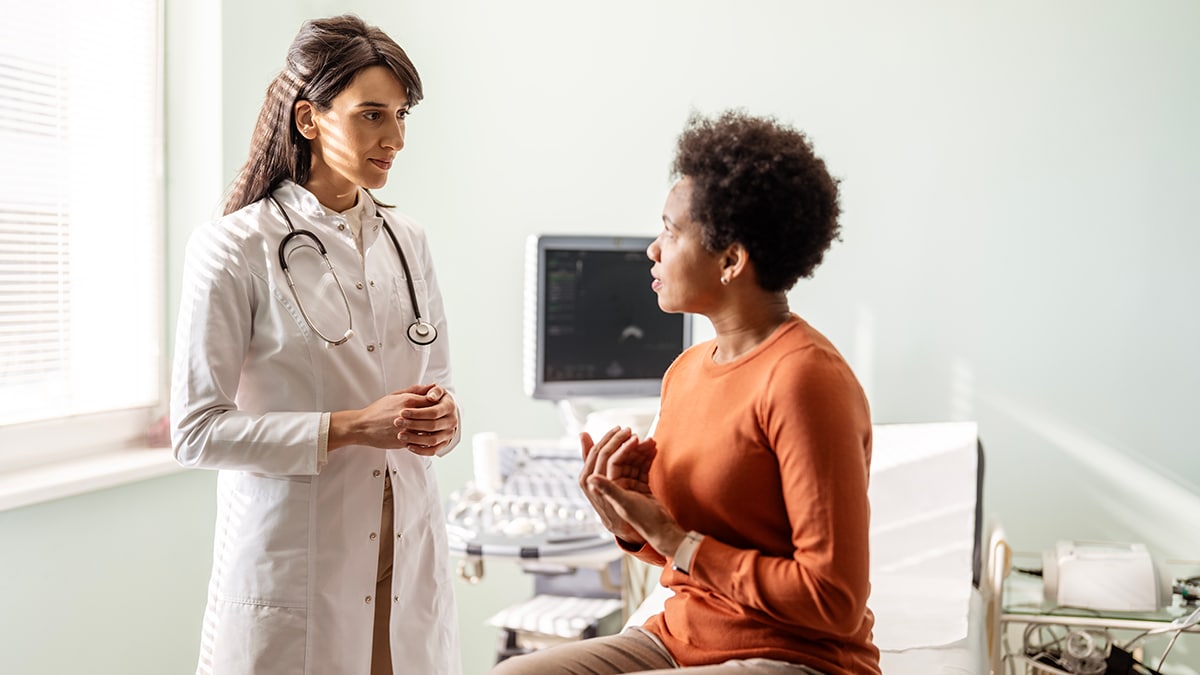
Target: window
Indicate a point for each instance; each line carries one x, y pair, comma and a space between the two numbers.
81, 261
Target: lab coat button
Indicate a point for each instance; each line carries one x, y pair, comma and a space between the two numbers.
367, 600
341, 226
399, 536
370, 348
373, 535
359, 285
376, 473
372, 284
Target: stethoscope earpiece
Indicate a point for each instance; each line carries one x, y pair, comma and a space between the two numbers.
420, 332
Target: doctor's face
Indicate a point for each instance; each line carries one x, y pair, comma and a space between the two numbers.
687, 276
356, 140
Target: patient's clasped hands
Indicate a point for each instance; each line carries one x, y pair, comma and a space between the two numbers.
616, 480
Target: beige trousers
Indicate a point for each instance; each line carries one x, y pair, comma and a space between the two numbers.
381, 641
633, 651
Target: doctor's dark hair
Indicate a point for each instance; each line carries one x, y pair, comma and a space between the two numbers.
757, 182
321, 62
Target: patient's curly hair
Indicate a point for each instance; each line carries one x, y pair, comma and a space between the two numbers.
757, 182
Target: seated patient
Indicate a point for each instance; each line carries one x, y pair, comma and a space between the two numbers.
752, 494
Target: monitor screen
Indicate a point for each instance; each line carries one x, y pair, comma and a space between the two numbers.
593, 326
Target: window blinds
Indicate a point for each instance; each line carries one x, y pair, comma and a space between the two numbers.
80, 204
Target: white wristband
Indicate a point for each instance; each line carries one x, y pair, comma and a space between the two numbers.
682, 560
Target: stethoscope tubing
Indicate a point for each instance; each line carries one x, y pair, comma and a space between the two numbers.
419, 332
283, 264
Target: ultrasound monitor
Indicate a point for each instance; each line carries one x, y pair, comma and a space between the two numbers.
593, 325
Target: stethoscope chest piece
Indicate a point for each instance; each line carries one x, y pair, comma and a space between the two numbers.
421, 332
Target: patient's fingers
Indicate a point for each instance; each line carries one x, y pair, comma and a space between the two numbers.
589, 453
589, 448
624, 460
612, 441
596, 462
633, 459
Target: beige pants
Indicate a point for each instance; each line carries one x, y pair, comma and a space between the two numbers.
634, 651
381, 642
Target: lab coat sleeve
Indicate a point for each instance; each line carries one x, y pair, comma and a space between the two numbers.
438, 370
212, 338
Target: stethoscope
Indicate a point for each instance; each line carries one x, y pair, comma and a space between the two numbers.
420, 331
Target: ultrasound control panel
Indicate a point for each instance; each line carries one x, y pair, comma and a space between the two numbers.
525, 502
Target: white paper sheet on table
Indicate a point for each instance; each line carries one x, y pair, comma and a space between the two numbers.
923, 495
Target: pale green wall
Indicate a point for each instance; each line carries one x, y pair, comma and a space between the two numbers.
108, 583
113, 582
1019, 194
1019, 184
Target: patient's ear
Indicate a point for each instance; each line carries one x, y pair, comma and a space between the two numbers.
735, 260
306, 122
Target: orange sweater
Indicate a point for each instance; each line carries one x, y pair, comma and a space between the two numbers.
768, 457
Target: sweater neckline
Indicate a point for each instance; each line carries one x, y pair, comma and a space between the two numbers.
710, 365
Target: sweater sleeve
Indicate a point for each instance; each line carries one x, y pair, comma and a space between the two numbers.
815, 417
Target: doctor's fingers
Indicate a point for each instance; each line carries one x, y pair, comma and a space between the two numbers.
419, 390
426, 444
440, 425
423, 450
444, 415
427, 410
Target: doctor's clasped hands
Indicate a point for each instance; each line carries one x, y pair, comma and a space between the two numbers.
422, 419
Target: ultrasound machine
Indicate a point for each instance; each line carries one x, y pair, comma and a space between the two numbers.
596, 345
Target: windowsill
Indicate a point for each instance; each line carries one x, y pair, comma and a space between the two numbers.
78, 475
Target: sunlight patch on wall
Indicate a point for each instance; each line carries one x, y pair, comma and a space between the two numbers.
1119, 488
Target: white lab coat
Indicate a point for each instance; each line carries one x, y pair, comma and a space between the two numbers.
296, 545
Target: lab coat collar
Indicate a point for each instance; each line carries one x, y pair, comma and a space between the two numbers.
305, 202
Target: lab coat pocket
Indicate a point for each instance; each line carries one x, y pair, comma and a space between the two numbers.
265, 551
404, 300
258, 639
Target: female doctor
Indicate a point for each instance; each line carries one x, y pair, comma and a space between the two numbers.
312, 370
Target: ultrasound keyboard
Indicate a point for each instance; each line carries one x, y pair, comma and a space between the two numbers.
536, 511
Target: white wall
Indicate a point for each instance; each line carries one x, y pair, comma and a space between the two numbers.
1018, 186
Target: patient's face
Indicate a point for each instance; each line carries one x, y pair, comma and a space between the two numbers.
687, 276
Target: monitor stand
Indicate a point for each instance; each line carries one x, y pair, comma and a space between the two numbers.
596, 416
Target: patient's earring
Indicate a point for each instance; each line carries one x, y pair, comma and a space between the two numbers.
724, 281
